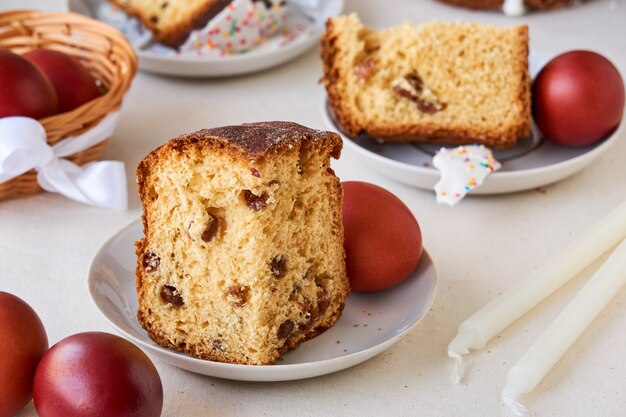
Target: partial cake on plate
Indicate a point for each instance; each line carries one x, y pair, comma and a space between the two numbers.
509, 6
171, 22
452, 83
243, 256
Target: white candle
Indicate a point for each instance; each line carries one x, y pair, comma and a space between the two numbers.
564, 331
475, 332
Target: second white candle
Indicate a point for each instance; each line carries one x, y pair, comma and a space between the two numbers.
564, 331
476, 331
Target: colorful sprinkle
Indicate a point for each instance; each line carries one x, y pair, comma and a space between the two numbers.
462, 169
242, 25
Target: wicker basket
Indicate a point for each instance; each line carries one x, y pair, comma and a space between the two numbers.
102, 49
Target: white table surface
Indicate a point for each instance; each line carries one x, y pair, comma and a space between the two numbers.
480, 248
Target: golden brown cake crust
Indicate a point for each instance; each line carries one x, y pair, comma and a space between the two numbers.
334, 79
176, 35
251, 142
257, 139
331, 80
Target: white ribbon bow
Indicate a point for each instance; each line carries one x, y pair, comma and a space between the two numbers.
23, 147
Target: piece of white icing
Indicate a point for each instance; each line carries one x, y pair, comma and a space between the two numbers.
462, 169
514, 7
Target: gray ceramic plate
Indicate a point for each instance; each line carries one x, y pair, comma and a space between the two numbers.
533, 163
157, 59
370, 323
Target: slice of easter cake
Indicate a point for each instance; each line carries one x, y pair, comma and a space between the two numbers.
243, 257
452, 83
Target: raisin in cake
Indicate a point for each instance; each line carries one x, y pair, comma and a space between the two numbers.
243, 254
452, 83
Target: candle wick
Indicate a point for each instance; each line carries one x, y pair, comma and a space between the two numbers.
459, 367
456, 349
513, 404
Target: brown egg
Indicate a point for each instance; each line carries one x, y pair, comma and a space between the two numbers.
97, 374
382, 239
24, 89
72, 82
23, 342
578, 98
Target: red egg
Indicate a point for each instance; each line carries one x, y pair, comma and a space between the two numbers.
578, 98
73, 83
382, 239
97, 375
24, 89
23, 341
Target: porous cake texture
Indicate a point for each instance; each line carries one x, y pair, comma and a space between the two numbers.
243, 255
452, 83
172, 21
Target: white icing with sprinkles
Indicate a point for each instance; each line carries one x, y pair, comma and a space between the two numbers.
462, 169
241, 26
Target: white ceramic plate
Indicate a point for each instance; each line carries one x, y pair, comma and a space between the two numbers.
534, 163
277, 50
370, 323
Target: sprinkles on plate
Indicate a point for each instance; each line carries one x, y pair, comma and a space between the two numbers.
241, 26
462, 169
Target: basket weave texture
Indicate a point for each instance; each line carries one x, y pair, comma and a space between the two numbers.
102, 49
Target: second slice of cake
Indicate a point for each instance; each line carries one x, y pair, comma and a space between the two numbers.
452, 83
243, 254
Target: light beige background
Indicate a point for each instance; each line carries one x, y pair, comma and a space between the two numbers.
480, 248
